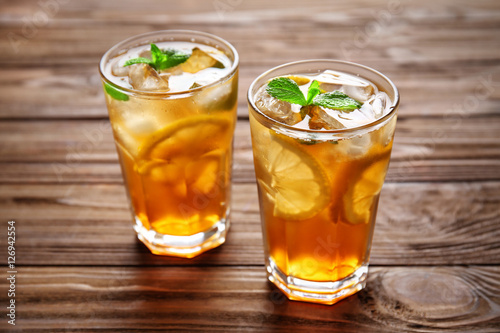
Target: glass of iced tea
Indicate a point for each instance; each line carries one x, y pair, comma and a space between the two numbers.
322, 134
172, 97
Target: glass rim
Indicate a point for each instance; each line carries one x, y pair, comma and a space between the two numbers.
384, 118
143, 37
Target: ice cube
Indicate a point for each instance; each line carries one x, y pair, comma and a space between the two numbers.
331, 77
355, 87
358, 145
350, 119
379, 104
199, 60
218, 97
335, 77
144, 77
132, 127
209, 75
366, 110
328, 81
361, 93
384, 135
320, 119
329, 87
145, 54
117, 69
140, 125
176, 70
135, 120
281, 111
335, 80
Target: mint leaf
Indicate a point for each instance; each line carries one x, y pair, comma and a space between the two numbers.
161, 59
139, 60
336, 100
114, 93
173, 58
156, 55
312, 92
307, 142
286, 90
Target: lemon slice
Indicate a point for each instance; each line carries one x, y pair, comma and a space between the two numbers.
188, 154
188, 137
291, 178
359, 199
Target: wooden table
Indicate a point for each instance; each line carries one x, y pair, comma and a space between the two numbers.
436, 253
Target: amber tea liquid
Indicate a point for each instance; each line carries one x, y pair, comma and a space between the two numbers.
319, 179
173, 130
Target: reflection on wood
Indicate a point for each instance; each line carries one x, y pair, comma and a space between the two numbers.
399, 299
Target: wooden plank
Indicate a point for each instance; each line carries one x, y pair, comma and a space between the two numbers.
71, 151
417, 170
424, 26
75, 173
428, 50
418, 224
52, 89
69, 92
127, 299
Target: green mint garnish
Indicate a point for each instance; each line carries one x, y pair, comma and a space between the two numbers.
160, 59
312, 92
139, 60
287, 90
116, 94
307, 142
337, 100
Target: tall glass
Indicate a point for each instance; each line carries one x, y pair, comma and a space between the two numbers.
174, 140
319, 190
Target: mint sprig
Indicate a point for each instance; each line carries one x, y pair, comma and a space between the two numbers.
287, 90
337, 100
114, 93
312, 92
160, 59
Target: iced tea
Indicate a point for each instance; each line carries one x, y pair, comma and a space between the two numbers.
319, 172
172, 99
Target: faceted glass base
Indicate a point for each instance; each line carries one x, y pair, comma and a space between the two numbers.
182, 246
317, 292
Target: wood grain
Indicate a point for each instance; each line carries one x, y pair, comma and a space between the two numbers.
447, 94
243, 172
413, 29
409, 299
417, 224
442, 51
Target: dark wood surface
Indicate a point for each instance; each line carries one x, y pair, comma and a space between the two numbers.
435, 263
